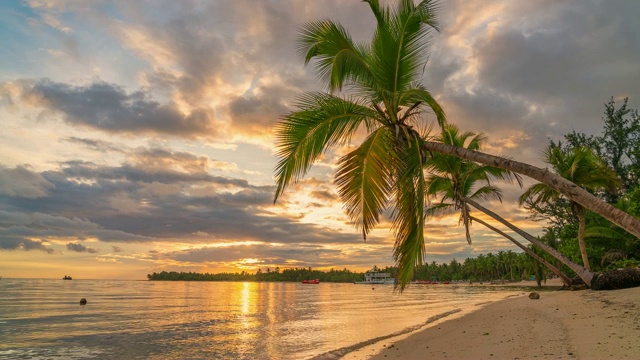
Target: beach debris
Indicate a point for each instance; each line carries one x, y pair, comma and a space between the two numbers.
534, 296
83, 301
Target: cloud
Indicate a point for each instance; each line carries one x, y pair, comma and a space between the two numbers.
95, 145
77, 247
18, 243
109, 108
269, 254
157, 195
259, 110
22, 183
545, 70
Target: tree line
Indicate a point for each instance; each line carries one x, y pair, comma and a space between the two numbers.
504, 265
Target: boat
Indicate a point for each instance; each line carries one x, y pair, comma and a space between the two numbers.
314, 281
376, 277
67, 277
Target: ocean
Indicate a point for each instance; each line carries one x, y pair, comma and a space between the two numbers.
43, 318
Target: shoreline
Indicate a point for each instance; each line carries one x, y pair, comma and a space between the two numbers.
560, 325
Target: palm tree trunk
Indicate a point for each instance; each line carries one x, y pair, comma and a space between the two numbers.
583, 273
629, 223
555, 270
581, 243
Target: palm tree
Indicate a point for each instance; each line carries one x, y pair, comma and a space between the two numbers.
380, 94
456, 180
583, 168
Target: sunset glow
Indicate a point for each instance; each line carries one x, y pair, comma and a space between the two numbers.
138, 137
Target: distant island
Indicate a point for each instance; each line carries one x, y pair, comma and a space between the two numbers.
296, 275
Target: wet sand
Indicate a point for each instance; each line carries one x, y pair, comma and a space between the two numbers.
559, 325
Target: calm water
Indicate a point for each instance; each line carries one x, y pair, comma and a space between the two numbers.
42, 319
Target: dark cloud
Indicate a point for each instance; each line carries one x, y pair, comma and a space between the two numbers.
263, 255
527, 73
109, 108
95, 145
582, 49
325, 195
160, 195
259, 110
77, 247
20, 182
18, 243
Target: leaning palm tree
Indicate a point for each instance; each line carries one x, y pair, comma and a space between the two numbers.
456, 181
583, 168
624, 220
379, 93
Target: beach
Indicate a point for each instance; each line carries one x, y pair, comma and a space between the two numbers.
582, 324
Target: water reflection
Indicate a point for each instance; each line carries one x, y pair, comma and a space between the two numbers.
198, 320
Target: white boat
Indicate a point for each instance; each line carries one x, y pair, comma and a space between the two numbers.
376, 277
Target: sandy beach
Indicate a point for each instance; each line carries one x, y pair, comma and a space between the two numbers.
559, 325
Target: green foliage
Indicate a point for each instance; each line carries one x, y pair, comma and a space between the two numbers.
634, 202
618, 147
619, 144
625, 263
505, 265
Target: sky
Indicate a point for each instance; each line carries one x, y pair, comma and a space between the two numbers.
138, 136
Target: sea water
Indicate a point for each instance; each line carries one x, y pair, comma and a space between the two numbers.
43, 318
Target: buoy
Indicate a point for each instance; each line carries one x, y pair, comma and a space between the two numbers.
83, 301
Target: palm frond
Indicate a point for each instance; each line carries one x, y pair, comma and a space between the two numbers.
581, 166
487, 192
537, 194
603, 232
381, 14
323, 121
418, 93
408, 214
339, 58
365, 180
494, 173
439, 208
399, 46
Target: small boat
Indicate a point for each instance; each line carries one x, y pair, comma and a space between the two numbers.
67, 277
314, 281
